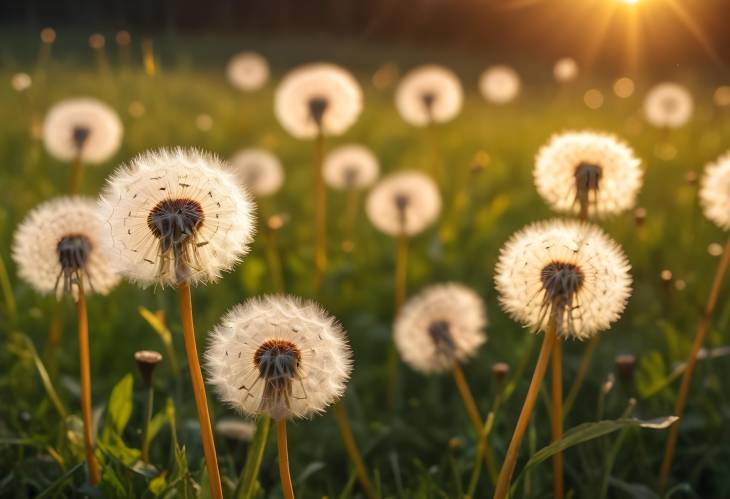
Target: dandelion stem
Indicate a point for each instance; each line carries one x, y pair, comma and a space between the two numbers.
83, 323
510, 460
466, 396
401, 265
272, 254
691, 361
7, 288
146, 431
557, 417
206, 432
254, 458
351, 215
343, 422
320, 255
77, 169
284, 473
580, 376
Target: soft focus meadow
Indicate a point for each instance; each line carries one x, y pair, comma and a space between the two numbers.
417, 442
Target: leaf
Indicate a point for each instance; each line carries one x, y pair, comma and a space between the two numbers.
158, 484
633, 490
651, 376
156, 423
119, 409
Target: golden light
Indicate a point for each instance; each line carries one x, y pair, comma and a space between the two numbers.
629, 1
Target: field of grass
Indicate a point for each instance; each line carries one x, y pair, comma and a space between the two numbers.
425, 446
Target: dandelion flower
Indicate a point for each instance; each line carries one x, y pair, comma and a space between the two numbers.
565, 69
404, 203
591, 173
350, 167
568, 271
21, 82
499, 84
278, 356
84, 129
429, 94
59, 243
715, 191
440, 326
259, 171
668, 105
247, 71
317, 98
176, 215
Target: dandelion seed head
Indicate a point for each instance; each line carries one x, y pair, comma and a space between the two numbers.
594, 170
715, 191
499, 84
441, 325
668, 105
60, 242
569, 271
350, 167
278, 356
247, 71
429, 94
317, 97
404, 203
21, 82
259, 171
565, 69
83, 127
175, 215
235, 429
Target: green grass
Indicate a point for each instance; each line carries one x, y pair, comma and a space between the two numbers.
426, 447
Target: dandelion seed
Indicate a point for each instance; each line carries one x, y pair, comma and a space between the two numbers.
176, 216
668, 105
259, 171
317, 99
715, 191
429, 94
350, 167
499, 84
590, 173
565, 69
440, 326
247, 71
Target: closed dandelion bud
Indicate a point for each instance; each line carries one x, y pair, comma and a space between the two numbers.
625, 367
500, 370
147, 361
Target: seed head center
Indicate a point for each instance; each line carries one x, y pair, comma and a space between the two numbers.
317, 107
175, 221
278, 361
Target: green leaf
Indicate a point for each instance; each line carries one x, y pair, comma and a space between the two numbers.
158, 484
119, 409
651, 376
156, 423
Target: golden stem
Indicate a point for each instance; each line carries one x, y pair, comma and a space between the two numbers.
401, 265
76, 173
351, 215
201, 403
510, 460
320, 255
272, 254
343, 422
557, 417
691, 361
84, 360
284, 473
466, 396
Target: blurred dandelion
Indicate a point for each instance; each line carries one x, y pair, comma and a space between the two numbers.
565, 70
247, 71
715, 191
259, 171
499, 84
592, 174
429, 94
21, 82
48, 35
81, 130
385, 76
177, 217
235, 429
280, 357
668, 105
623, 87
204, 122
593, 98
136, 109
721, 97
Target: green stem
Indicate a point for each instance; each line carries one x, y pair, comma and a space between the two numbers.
254, 457
148, 417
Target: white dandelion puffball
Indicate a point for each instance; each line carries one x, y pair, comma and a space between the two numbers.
586, 169
247, 71
668, 105
235, 429
82, 128
565, 70
317, 98
499, 84
60, 243
715, 191
176, 215
567, 271
441, 325
350, 167
278, 356
259, 171
429, 94
404, 203
21, 82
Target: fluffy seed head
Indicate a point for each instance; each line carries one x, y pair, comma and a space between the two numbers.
715, 191
21, 82
429, 94
568, 271
278, 356
259, 171
668, 105
588, 170
499, 84
60, 242
236, 429
565, 70
317, 97
175, 215
350, 167
404, 203
85, 128
441, 325
247, 71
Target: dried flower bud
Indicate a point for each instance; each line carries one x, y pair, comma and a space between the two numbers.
625, 366
500, 371
147, 360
